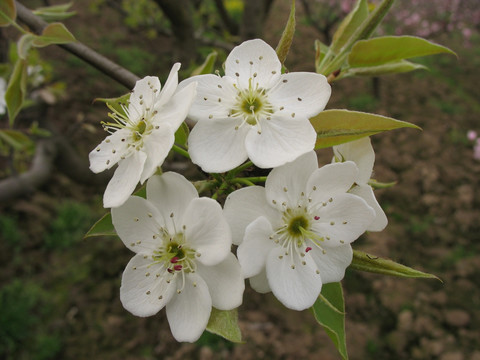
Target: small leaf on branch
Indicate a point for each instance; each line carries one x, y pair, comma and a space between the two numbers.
55, 12
15, 139
329, 311
55, 33
16, 90
287, 36
320, 51
103, 227
394, 67
386, 49
336, 127
181, 135
225, 324
24, 44
208, 65
370, 263
8, 12
349, 25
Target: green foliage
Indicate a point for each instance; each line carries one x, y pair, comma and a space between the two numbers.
370, 263
103, 227
69, 226
287, 36
23, 305
8, 12
9, 232
349, 25
225, 324
54, 34
55, 12
336, 127
208, 65
181, 135
16, 90
329, 311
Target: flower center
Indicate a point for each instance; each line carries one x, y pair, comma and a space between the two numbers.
174, 254
297, 224
251, 104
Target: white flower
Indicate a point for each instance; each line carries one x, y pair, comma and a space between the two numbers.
3, 89
183, 259
295, 233
142, 137
361, 153
254, 111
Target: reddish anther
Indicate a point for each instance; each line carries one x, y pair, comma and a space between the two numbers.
316, 217
177, 267
174, 260
308, 249
170, 270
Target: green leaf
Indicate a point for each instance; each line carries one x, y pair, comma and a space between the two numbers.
55, 33
8, 12
225, 324
181, 135
287, 36
329, 311
370, 263
386, 49
15, 139
16, 90
320, 51
336, 127
393, 67
208, 65
24, 44
349, 25
102, 227
55, 12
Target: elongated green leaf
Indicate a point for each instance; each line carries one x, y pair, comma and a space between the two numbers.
370, 263
393, 67
55, 33
380, 185
287, 36
329, 311
8, 12
15, 139
181, 135
386, 49
16, 89
320, 51
349, 25
225, 324
116, 104
335, 127
208, 65
55, 12
103, 227
24, 44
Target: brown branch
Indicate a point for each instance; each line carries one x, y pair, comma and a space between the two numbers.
90, 56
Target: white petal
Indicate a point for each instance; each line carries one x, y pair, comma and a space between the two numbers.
259, 282
169, 87
367, 194
176, 110
245, 205
361, 153
343, 220
207, 231
136, 223
142, 294
157, 146
281, 140
253, 251
143, 96
330, 180
225, 283
302, 93
286, 183
297, 288
189, 311
210, 88
124, 180
110, 150
171, 193
333, 262
216, 146
253, 57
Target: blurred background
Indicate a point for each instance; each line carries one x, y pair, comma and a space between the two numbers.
59, 293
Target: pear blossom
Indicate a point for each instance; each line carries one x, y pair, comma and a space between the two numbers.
182, 256
141, 137
294, 234
361, 153
254, 111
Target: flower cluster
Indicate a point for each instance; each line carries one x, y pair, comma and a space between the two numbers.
293, 234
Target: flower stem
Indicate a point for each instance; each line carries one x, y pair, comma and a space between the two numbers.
180, 151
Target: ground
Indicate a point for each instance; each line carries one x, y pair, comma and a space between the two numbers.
59, 295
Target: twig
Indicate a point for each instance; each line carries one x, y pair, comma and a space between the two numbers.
108, 67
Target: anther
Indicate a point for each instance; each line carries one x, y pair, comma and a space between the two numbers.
178, 267
344, 223
114, 151
285, 189
285, 80
132, 244
254, 74
332, 223
136, 219
293, 115
308, 249
237, 61
219, 100
205, 99
293, 267
98, 149
107, 140
281, 108
108, 162
157, 127
318, 272
251, 62
304, 263
147, 274
171, 215
174, 260
316, 217
160, 297
260, 57
274, 202
149, 215
342, 241
274, 72
148, 292
210, 116
299, 99
237, 74
219, 86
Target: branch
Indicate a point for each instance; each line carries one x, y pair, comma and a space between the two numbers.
90, 56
